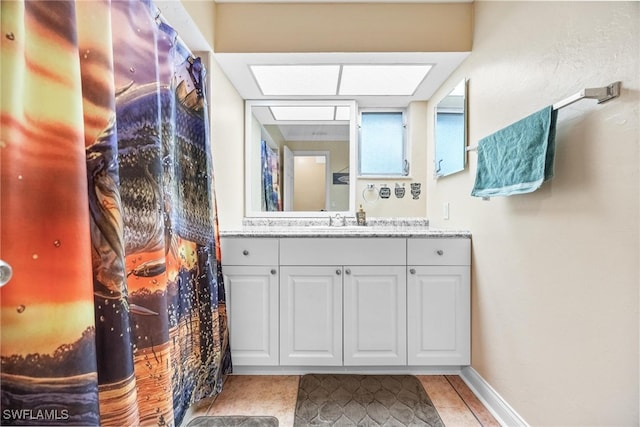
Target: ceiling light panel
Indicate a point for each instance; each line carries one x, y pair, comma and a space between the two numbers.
343, 113
303, 113
292, 80
399, 80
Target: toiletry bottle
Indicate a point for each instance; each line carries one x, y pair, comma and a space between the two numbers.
361, 216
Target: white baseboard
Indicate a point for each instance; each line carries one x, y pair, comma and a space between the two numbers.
494, 403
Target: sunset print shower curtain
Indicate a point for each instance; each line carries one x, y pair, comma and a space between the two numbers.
270, 178
115, 313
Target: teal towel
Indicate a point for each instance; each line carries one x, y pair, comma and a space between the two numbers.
519, 158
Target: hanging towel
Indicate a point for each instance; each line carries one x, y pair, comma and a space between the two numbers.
519, 158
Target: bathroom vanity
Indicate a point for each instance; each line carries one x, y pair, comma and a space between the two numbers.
336, 299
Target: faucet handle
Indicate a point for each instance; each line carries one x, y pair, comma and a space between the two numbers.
337, 220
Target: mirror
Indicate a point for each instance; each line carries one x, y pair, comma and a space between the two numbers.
300, 158
451, 132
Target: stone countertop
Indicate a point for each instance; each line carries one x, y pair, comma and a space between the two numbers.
387, 227
344, 232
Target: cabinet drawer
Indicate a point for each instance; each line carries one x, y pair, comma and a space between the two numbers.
438, 251
249, 251
343, 251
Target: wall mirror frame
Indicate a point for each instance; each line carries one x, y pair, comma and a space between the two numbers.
324, 141
450, 131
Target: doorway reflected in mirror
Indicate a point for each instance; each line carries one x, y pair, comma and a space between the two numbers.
294, 153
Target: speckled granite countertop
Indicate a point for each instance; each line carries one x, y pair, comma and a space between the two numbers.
319, 227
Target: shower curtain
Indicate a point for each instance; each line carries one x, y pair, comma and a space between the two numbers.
270, 178
115, 313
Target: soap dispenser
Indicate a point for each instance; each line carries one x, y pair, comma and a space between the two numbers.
361, 216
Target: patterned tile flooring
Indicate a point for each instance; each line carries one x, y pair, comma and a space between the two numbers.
276, 395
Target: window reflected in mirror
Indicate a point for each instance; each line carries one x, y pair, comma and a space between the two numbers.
451, 132
382, 143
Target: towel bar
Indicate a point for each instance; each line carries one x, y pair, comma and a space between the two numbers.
602, 94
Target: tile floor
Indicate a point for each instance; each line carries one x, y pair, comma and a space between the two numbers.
276, 395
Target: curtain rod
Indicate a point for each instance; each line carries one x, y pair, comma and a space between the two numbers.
159, 18
602, 94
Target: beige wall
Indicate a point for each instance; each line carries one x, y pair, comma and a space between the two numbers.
203, 14
227, 136
343, 27
555, 273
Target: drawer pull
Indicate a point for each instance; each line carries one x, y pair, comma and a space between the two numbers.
273, 271
245, 252
440, 252
412, 271
338, 272
348, 271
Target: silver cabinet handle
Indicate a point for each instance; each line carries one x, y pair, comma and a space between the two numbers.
338, 272
348, 271
245, 252
5, 273
412, 270
440, 252
273, 271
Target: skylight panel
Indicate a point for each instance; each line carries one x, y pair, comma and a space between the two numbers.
399, 80
291, 80
303, 113
343, 113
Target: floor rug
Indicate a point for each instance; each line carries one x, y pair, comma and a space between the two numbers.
233, 421
364, 400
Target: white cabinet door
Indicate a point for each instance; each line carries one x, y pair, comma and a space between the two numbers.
375, 315
311, 316
252, 302
438, 315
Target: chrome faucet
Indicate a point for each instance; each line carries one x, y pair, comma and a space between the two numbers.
337, 220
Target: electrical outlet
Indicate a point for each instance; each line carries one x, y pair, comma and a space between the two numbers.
445, 211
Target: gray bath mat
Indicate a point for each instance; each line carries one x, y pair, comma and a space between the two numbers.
364, 400
233, 421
